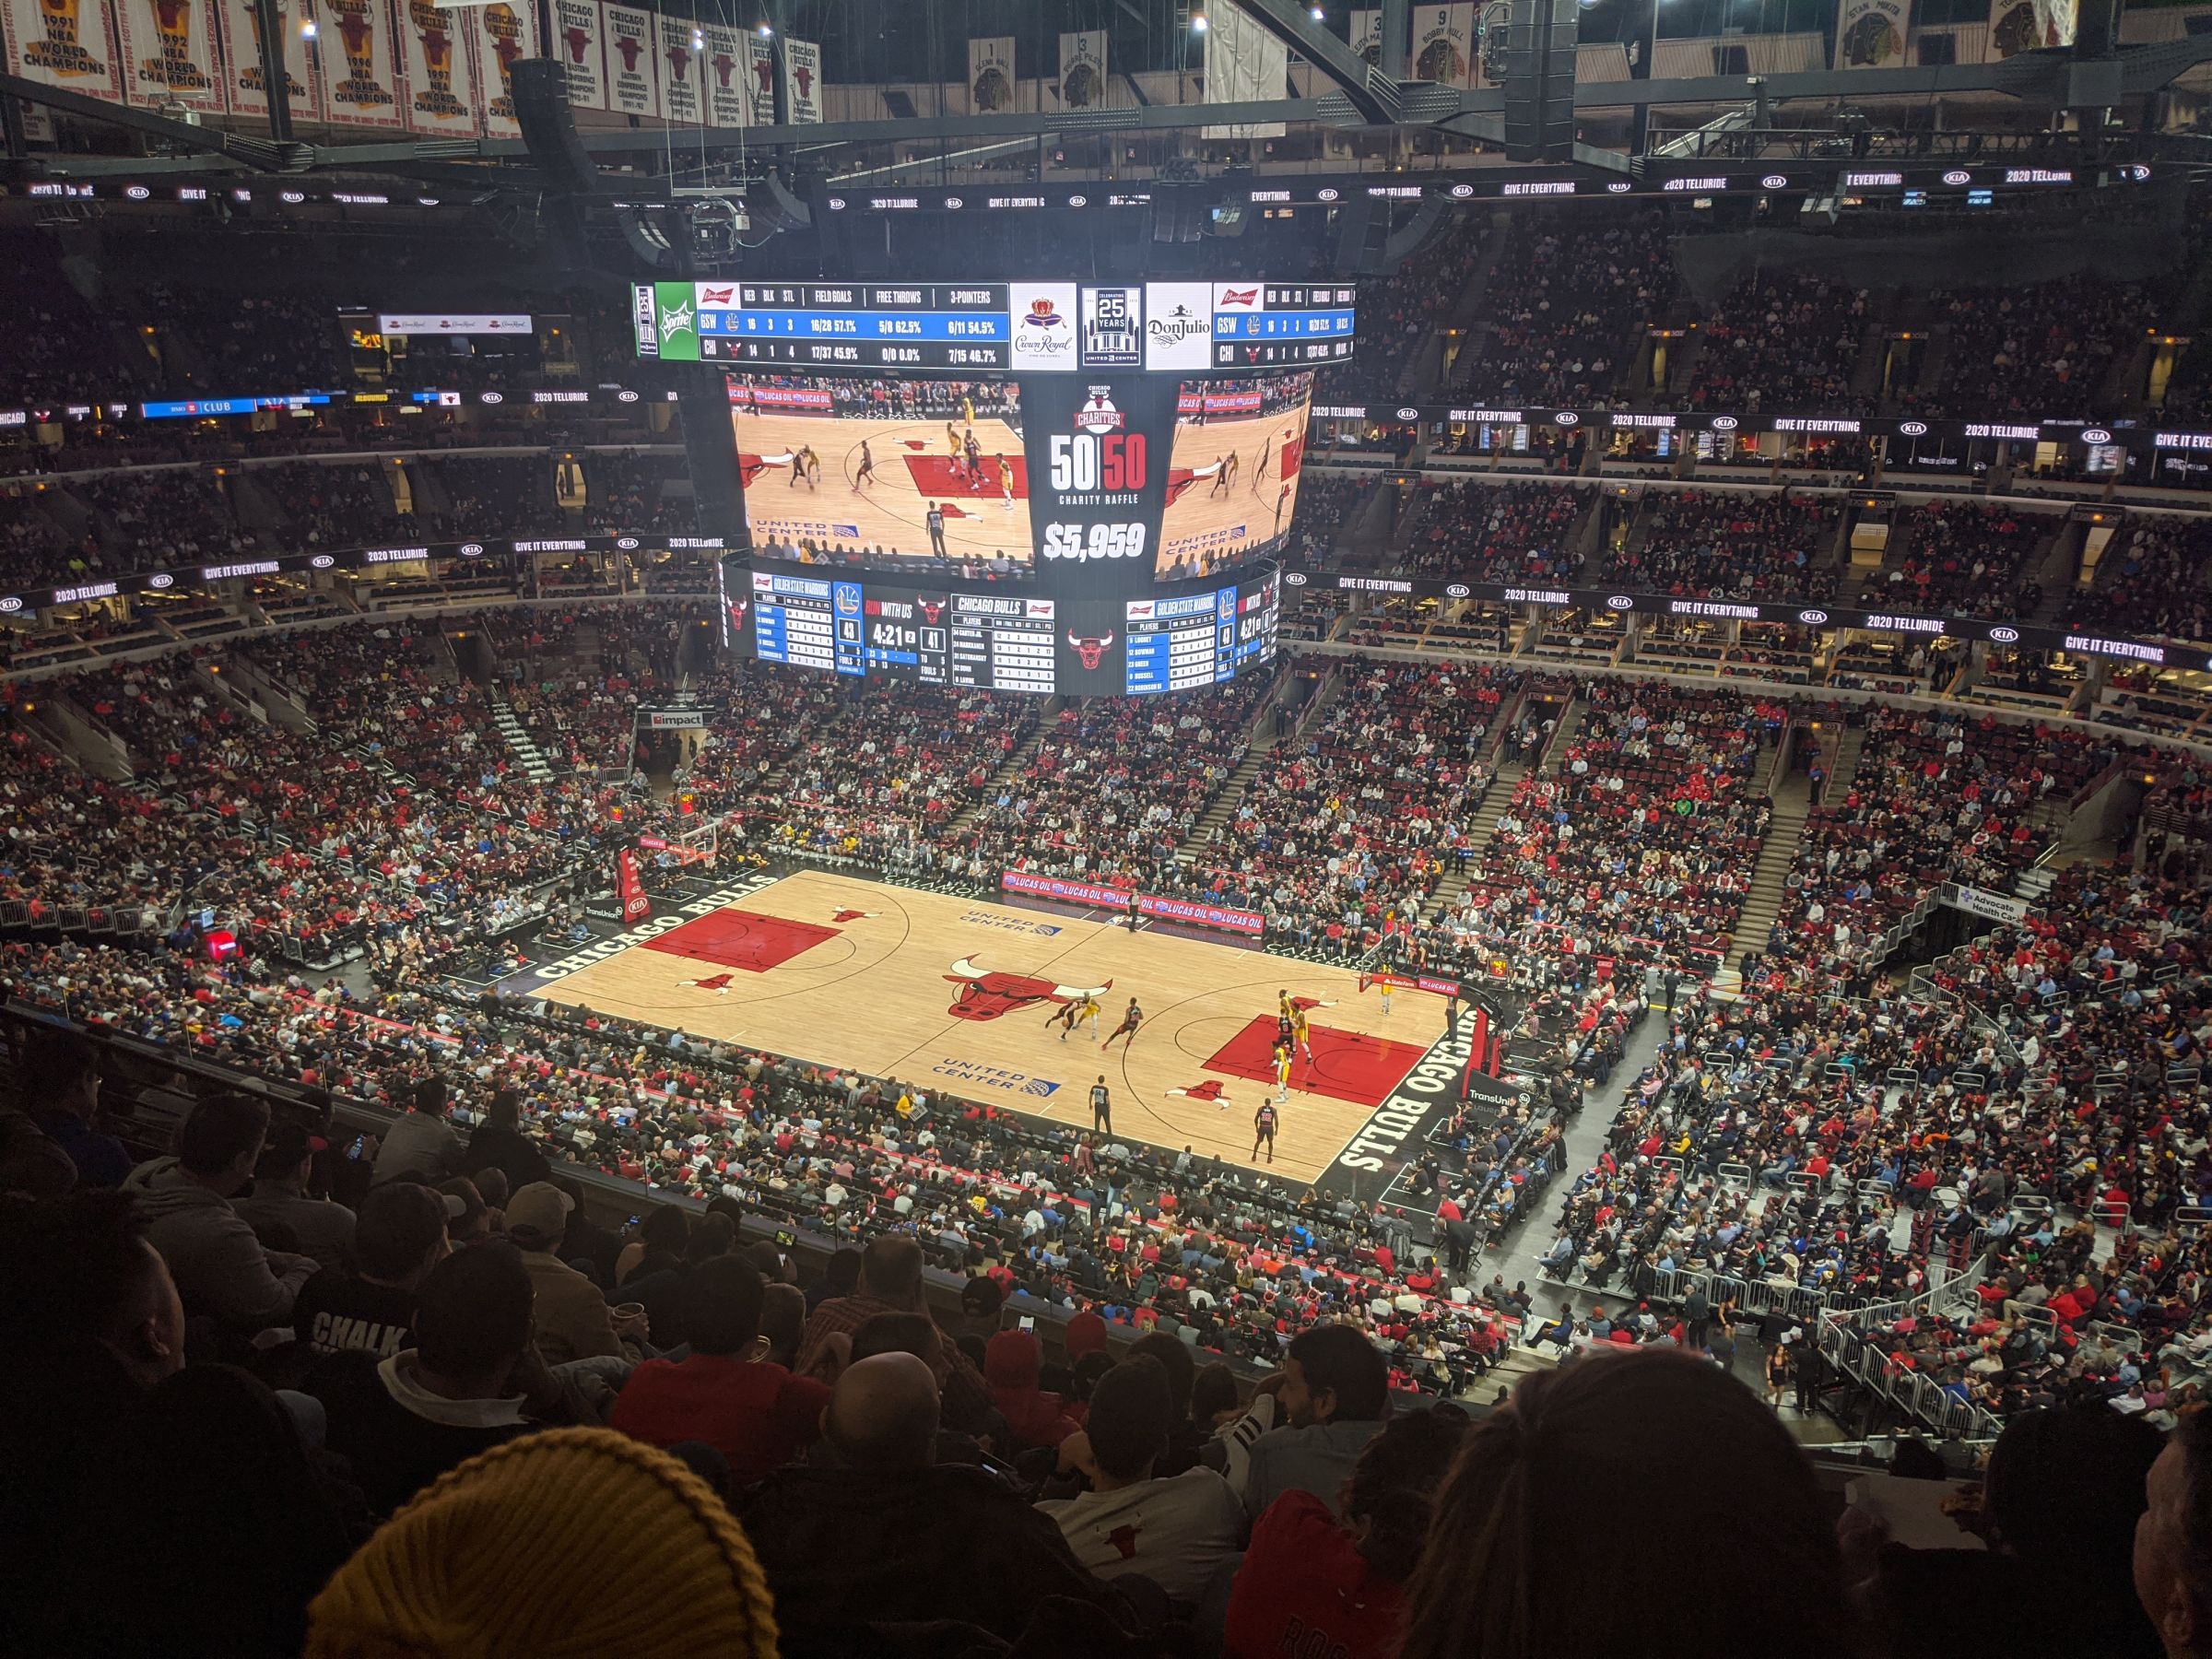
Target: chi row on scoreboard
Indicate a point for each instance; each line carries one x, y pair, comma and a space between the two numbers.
988, 640
1019, 327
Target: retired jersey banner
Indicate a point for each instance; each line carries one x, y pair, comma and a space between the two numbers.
992, 88
365, 92
62, 44
579, 48
726, 72
500, 32
632, 64
440, 87
169, 55
1082, 83
1870, 34
1443, 43
1366, 35
802, 79
1244, 63
244, 93
683, 52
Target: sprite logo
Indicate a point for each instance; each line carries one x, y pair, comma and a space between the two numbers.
677, 323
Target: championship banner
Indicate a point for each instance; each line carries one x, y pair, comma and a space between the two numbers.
1443, 43
579, 48
169, 54
683, 47
1244, 63
759, 81
632, 65
244, 93
1082, 82
802, 80
366, 93
62, 44
500, 32
1367, 36
628, 890
1870, 34
726, 73
992, 88
442, 86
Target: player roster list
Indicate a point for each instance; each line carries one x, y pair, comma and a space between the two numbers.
1172, 645
999, 642
793, 620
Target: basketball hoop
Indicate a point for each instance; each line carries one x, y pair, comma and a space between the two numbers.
695, 845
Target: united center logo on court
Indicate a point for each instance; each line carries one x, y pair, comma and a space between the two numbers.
976, 918
993, 1076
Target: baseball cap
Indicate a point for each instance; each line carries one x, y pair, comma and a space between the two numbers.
541, 1208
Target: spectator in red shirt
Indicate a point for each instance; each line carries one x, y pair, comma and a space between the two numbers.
750, 1409
1312, 1583
1012, 1363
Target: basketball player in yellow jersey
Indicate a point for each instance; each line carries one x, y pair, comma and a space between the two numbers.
1298, 1028
1283, 1008
952, 444
967, 408
1006, 485
1282, 1073
1088, 1009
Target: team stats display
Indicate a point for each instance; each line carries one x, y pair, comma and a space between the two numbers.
1191, 639
1036, 327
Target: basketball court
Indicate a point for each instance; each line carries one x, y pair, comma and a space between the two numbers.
1209, 522
963, 997
914, 466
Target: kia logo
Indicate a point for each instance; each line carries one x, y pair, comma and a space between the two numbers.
1812, 618
491, 398
161, 580
1458, 590
1620, 601
11, 604
626, 397
1619, 187
1327, 194
2095, 435
1409, 414
426, 201
1958, 175
1773, 182
954, 202
137, 192
1463, 191
2004, 636
322, 561
627, 543
471, 549
837, 204
1914, 429
292, 197
1566, 418
1295, 578
1723, 423
1078, 201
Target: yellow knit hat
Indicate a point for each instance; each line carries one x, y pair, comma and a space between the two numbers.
575, 1541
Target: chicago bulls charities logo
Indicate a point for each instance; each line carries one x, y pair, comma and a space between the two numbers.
989, 996
1090, 653
1099, 415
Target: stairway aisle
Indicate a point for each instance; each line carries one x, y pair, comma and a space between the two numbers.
1792, 802
1047, 723
534, 765
1479, 831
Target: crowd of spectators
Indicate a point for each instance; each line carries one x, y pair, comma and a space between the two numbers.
1512, 532
1725, 544
1782, 344
2042, 351
1962, 556
1568, 304
2159, 585
1399, 313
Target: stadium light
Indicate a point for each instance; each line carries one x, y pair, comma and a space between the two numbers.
765, 31
1319, 14
1199, 23
307, 29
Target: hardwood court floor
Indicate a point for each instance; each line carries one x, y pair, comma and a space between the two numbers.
912, 469
955, 996
1204, 527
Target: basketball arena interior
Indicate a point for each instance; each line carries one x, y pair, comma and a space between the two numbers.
764, 763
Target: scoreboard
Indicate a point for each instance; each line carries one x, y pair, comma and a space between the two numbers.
997, 327
1184, 636
1203, 638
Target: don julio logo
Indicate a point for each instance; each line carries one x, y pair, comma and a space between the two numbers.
1178, 326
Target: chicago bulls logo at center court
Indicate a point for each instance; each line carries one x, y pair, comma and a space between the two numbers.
988, 996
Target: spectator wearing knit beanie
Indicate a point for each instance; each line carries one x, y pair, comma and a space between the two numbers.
577, 1541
